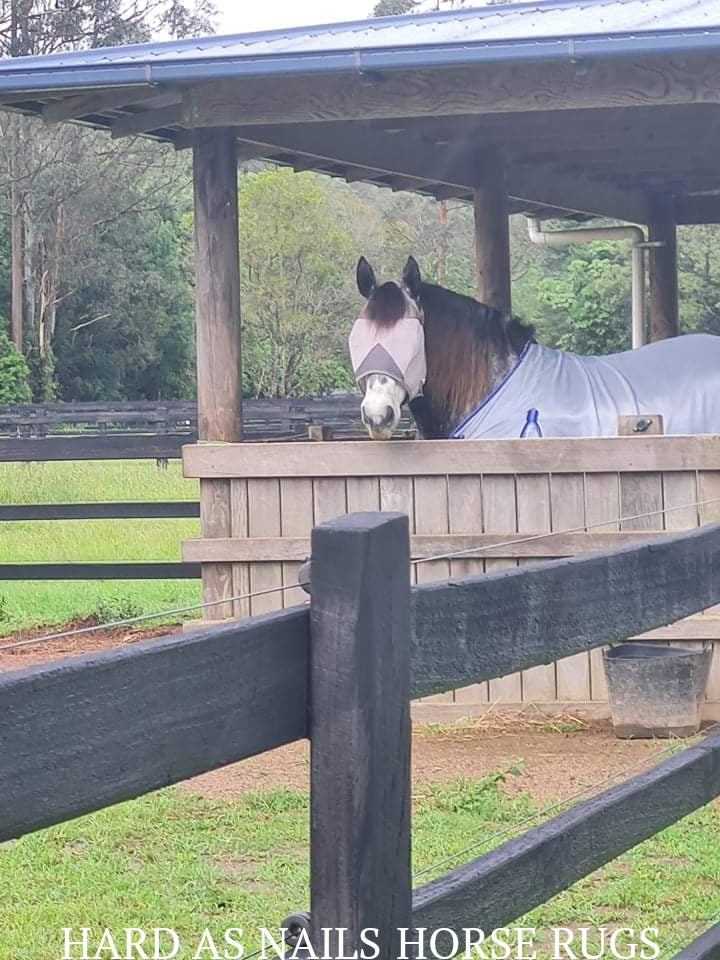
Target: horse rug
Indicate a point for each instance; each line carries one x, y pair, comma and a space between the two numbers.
551, 393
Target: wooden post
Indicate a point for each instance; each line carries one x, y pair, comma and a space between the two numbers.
360, 731
663, 270
492, 238
219, 377
217, 286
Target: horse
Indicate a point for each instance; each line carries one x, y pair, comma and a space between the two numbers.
468, 371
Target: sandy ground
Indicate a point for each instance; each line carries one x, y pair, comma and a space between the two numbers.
553, 765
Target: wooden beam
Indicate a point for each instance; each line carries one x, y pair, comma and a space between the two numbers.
85, 104
492, 237
217, 287
136, 123
383, 153
697, 209
177, 705
487, 88
638, 454
502, 885
663, 270
560, 608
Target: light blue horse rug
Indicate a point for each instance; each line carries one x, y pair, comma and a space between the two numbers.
550, 393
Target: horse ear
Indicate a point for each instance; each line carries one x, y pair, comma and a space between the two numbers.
365, 278
411, 277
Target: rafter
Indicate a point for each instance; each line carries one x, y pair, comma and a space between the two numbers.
137, 123
86, 104
395, 156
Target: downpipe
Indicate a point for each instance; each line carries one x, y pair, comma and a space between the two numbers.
561, 238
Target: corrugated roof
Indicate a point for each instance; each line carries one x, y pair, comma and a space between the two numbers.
513, 31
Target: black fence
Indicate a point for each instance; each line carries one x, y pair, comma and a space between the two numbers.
342, 672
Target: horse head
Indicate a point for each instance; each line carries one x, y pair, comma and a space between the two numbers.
387, 347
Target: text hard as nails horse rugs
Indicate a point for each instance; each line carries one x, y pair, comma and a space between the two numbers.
469, 371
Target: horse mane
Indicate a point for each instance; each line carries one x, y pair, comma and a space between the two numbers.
386, 305
464, 339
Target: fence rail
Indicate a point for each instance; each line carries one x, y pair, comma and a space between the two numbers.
342, 672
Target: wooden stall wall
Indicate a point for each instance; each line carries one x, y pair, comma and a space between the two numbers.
500, 496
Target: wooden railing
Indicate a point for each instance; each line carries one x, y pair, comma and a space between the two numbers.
158, 430
107, 570
341, 672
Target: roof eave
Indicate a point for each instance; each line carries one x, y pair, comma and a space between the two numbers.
195, 70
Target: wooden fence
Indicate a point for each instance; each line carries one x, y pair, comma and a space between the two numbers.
341, 672
140, 430
107, 570
512, 500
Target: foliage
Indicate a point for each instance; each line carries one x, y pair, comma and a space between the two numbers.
14, 374
585, 305
128, 328
394, 8
297, 272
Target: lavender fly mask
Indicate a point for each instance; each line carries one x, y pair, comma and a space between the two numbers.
397, 352
387, 350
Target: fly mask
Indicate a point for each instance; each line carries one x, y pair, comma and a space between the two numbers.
397, 351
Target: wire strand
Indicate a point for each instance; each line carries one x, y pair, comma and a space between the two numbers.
143, 617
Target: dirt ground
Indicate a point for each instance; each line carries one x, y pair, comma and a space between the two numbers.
552, 764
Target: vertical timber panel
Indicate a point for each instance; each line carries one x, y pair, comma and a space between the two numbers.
239, 529
533, 516
430, 498
363, 493
329, 498
264, 521
296, 520
602, 503
567, 503
360, 732
466, 516
217, 578
217, 292
500, 516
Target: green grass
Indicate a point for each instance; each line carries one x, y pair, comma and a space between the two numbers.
186, 862
26, 604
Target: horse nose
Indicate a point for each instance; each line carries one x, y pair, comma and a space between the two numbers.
377, 422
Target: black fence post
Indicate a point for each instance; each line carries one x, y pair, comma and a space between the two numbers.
360, 733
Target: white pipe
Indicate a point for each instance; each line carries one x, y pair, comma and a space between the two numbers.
557, 238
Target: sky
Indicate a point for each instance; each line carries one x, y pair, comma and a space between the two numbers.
244, 16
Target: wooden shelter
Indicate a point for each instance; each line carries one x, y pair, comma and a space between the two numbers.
559, 108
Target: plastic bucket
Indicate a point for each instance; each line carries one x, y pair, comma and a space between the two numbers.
656, 691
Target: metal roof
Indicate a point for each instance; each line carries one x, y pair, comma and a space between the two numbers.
543, 29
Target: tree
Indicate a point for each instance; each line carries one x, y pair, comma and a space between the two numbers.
14, 374
49, 170
298, 260
394, 8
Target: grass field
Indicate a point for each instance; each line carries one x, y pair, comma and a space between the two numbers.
189, 863
26, 604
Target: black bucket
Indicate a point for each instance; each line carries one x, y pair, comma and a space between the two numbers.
656, 691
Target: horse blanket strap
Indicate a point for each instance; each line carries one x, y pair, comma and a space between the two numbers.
397, 351
550, 393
